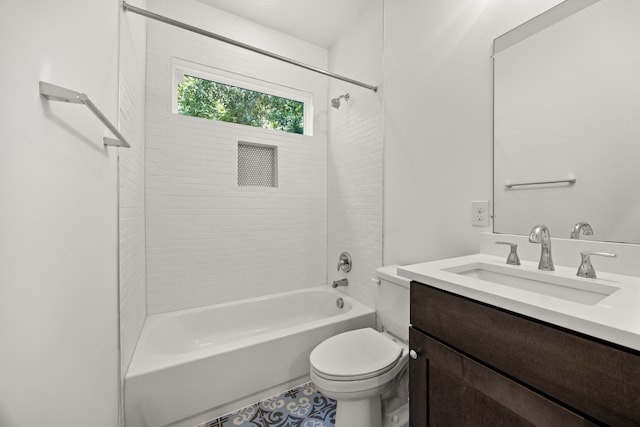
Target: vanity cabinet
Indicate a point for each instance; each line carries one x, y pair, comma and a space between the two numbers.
480, 365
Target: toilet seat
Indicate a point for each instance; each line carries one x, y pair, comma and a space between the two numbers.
355, 355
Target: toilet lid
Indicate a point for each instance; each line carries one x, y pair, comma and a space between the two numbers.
363, 353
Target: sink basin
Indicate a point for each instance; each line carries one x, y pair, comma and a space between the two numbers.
583, 291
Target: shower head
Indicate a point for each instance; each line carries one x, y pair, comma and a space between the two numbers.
335, 102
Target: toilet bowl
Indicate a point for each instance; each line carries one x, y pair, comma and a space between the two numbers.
364, 370
356, 368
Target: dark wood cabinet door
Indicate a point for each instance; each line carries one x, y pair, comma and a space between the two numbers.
449, 389
418, 377
595, 379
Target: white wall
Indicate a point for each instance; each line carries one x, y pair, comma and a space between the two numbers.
354, 158
208, 240
438, 121
133, 298
58, 221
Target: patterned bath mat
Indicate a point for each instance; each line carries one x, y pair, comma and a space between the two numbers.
302, 406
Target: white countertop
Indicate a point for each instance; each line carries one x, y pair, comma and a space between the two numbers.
615, 319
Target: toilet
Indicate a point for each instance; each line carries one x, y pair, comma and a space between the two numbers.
366, 371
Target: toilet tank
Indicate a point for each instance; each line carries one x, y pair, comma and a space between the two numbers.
393, 302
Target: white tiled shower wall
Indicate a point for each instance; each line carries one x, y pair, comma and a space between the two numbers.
355, 154
131, 183
208, 240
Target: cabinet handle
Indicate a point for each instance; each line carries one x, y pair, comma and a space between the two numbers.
413, 354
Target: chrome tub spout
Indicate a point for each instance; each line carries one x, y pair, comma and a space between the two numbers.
341, 282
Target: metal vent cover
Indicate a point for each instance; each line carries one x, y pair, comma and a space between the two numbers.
257, 165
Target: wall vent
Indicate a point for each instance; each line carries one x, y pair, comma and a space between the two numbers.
257, 165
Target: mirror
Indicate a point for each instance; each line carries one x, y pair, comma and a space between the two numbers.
567, 108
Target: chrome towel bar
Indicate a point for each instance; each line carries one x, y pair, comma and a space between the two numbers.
57, 93
568, 181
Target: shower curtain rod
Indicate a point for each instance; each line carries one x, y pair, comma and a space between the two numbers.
129, 8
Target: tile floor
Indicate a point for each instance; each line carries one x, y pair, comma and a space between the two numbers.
302, 406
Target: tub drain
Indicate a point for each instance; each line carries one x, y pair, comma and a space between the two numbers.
340, 302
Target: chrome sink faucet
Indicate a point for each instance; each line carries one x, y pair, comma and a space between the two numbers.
513, 258
581, 227
586, 268
540, 234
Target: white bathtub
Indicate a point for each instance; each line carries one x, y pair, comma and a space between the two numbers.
194, 365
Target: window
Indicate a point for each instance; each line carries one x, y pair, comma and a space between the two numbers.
224, 97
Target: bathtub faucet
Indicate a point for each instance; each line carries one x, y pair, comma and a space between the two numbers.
341, 282
344, 262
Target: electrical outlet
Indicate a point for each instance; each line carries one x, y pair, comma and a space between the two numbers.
480, 213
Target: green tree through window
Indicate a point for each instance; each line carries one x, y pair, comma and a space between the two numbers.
218, 101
